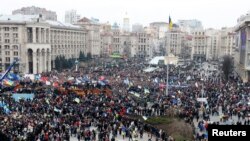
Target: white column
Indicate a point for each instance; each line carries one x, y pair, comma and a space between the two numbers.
45, 35
49, 61
34, 35
27, 62
45, 61
48, 37
34, 62
39, 35
40, 61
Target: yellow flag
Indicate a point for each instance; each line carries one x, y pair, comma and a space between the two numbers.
170, 23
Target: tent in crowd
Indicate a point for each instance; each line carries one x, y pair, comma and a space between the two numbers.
164, 60
150, 69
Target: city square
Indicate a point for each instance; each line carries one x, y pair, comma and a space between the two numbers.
88, 80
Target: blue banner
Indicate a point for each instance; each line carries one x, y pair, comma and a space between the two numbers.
25, 96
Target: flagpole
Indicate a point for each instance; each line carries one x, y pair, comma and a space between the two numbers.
170, 26
167, 79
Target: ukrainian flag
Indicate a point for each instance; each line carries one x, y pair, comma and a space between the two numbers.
170, 23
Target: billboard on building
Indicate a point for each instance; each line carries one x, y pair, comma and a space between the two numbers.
242, 46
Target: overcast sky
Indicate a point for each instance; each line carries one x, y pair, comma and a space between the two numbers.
212, 13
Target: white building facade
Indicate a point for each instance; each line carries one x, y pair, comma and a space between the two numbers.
199, 47
93, 35
36, 42
174, 42
242, 53
72, 17
228, 38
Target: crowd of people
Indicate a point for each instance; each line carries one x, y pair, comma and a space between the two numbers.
55, 116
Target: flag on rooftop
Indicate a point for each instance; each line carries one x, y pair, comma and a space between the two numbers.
170, 23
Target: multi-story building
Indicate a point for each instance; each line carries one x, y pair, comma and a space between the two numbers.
186, 47
106, 43
36, 42
160, 28
67, 40
174, 42
227, 42
144, 45
46, 14
71, 17
126, 25
93, 35
199, 47
116, 41
242, 52
213, 44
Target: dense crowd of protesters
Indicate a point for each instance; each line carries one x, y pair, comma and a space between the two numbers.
55, 116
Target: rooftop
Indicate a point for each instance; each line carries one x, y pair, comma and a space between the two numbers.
33, 18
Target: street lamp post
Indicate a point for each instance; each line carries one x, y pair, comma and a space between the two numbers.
76, 63
167, 77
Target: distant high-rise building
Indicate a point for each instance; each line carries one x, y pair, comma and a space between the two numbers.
160, 27
71, 17
126, 25
46, 14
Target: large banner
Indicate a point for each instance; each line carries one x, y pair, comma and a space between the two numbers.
242, 46
25, 96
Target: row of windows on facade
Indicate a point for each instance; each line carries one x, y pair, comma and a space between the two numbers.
142, 35
14, 29
8, 41
65, 42
15, 53
64, 50
68, 34
67, 37
200, 46
7, 35
59, 49
198, 33
15, 47
199, 52
7, 59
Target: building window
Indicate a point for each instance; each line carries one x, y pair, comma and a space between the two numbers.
7, 53
14, 28
15, 53
15, 47
7, 59
6, 29
6, 35
7, 41
6, 47
15, 40
15, 35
